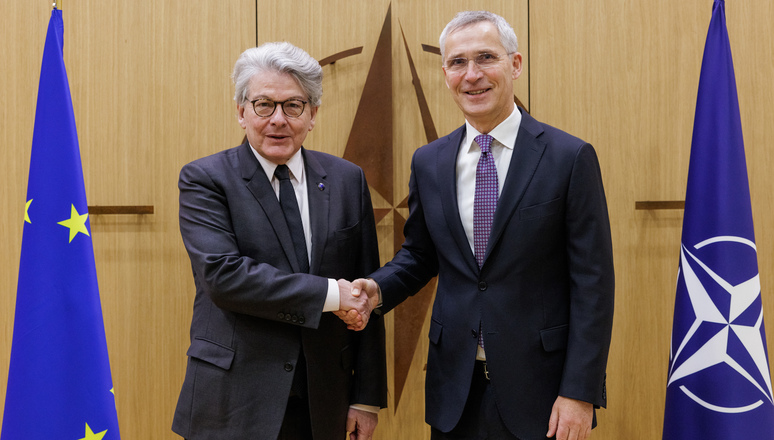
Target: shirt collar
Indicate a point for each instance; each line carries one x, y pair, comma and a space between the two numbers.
505, 132
295, 165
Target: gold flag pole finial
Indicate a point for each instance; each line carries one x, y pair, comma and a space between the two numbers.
55, 4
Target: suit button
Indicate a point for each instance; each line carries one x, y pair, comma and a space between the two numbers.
301, 320
287, 317
474, 332
482, 285
288, 367
294, 318
281, 315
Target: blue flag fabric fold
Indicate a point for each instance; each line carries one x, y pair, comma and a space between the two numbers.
719, 385
59, 382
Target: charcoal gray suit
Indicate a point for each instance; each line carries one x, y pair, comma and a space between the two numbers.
253, 312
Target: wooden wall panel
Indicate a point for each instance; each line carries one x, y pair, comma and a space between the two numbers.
624, 76
19, 76
151, 90
164, 98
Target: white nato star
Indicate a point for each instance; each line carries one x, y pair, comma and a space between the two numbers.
715, 350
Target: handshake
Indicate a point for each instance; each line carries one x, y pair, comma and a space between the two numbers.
356, 301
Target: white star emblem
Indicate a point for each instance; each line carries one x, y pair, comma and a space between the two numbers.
715, 350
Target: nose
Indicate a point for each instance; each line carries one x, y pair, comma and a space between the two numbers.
472, 71
278, 117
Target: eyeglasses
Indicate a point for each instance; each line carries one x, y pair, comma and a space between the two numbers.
483, 61
292, 108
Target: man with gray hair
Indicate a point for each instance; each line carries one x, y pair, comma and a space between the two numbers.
510, 213
273, 230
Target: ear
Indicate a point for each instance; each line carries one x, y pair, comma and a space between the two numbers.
241, 116
517, 65
313, 115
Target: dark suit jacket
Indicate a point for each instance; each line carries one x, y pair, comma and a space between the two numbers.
252, 312
544, 293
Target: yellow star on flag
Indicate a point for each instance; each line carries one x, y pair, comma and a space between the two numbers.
90, 435
27, 211
76, 223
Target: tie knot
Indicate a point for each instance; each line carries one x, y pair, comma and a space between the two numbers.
282, 172
484, 141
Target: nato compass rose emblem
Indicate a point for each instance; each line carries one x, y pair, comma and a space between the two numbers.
718, 354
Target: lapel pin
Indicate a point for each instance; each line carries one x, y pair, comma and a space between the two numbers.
321, 186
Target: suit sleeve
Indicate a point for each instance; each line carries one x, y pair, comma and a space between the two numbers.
236, 282
370, 384
590, 254
416, 263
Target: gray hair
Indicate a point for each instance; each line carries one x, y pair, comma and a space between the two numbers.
467, 18
279, 57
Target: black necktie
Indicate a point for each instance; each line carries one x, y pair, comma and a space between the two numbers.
292, 216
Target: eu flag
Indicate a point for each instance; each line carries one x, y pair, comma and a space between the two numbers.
719, 386
59, 384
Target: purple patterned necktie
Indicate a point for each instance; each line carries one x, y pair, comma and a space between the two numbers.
484, 204
485, 200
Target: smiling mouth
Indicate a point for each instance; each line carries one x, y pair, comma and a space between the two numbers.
477, 92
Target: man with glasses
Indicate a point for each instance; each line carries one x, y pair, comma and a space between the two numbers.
273, 230
510, 213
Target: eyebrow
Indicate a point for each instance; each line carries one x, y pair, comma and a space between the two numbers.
481, 51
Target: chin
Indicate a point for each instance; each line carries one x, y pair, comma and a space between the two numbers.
279, 154
476, 106
476, 113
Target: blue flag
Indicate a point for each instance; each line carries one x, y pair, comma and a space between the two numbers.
59, 383
719, 386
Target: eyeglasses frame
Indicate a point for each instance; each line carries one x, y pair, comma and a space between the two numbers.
281, 104
468, 60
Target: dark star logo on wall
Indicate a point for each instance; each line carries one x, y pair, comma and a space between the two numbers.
370, 145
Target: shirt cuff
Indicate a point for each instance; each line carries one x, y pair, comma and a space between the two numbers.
367, 408
332, 299
379, 291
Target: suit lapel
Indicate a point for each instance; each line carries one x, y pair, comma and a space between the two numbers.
527, 153
447, 172
260, 187
319, 192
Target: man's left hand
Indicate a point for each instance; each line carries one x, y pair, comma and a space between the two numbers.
570, 419
361, 424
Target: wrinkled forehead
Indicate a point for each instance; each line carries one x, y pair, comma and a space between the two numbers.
473, 39
274, 85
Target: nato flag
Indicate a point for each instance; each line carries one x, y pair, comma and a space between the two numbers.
719, 386
59, 384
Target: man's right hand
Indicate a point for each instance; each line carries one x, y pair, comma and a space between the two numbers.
355, 308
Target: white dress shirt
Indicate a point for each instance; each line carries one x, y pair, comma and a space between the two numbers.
467, 160
298, 179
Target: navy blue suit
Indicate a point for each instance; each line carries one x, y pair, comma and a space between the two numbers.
544, 294
253, 313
